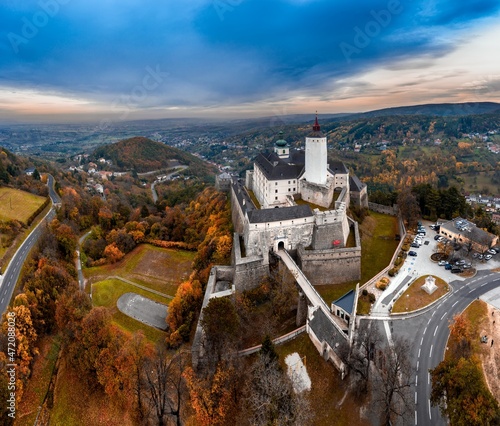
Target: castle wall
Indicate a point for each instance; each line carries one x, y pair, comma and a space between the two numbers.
379, 208
330, 226
290, 232
336, 266
321, 195
249, 271
332, 266
237, 215
360, 198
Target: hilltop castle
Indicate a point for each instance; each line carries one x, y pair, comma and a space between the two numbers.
294, 200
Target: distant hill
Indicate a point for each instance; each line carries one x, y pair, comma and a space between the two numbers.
144, 155
467, 108
11, 165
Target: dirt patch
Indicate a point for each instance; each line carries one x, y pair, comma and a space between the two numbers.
490, 355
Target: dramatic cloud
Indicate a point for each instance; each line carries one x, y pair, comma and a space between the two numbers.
198, 55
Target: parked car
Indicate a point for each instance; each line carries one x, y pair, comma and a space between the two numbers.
415, 245
467, 266
497, 249
412, 253
487, 256
441, 239
436, 237
442, 262
475, 255
421, 234
491, 251
447, 266
460, 262
456, 270
480, 257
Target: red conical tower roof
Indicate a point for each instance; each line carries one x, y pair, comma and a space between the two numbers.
316, 127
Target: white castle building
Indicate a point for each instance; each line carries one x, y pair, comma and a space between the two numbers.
302, 203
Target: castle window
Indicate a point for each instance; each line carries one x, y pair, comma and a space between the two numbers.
283, 151
276, 191
275, 198
289, 189
294, 181
293, 189
288, 182
276, 183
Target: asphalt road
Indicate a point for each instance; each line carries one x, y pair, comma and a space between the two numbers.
430, 333
9, 279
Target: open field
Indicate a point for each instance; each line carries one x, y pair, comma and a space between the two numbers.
18, 205
153, 267
415, 298
327, 389
106, 293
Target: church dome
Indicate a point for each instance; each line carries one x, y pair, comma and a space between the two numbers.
281, 142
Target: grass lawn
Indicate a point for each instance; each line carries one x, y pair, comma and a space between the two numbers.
19, 205
39, 381
327, 388
107, 292
377, 243
415, 297
153, 267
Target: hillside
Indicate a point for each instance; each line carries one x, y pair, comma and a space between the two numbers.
442, 110
143, 155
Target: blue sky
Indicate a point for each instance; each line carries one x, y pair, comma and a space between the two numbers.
79, 59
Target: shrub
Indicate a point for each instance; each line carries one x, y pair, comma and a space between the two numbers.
364, 292
371, 297
392, 272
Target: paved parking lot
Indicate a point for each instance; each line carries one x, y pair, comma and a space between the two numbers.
422, 264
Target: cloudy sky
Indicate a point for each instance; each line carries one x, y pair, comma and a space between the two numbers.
71, 60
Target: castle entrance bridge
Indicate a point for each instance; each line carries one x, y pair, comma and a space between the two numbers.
309, 291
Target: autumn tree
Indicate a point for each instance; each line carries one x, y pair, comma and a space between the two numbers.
408, 206
182, 310
458, 385
212, 395
221, 327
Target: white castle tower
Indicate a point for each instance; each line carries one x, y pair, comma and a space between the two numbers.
316, 156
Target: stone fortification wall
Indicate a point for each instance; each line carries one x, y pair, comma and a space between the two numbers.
330, 226
336, 266
249, 271
379, 208
321, 195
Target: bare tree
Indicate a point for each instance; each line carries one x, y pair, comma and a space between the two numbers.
270, 398
359, 355
393, 382
164, 386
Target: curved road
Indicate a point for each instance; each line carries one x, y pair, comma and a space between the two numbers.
9, 279
431, 336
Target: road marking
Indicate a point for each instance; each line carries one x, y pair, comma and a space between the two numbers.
415, 417
483, 284
415, 397
425, 330
435, 331
416, 381
418, 363
430, 353
429, 321
418, 354
443, 316
433, 313
430, 416
454, 304
2, 299
422, 341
